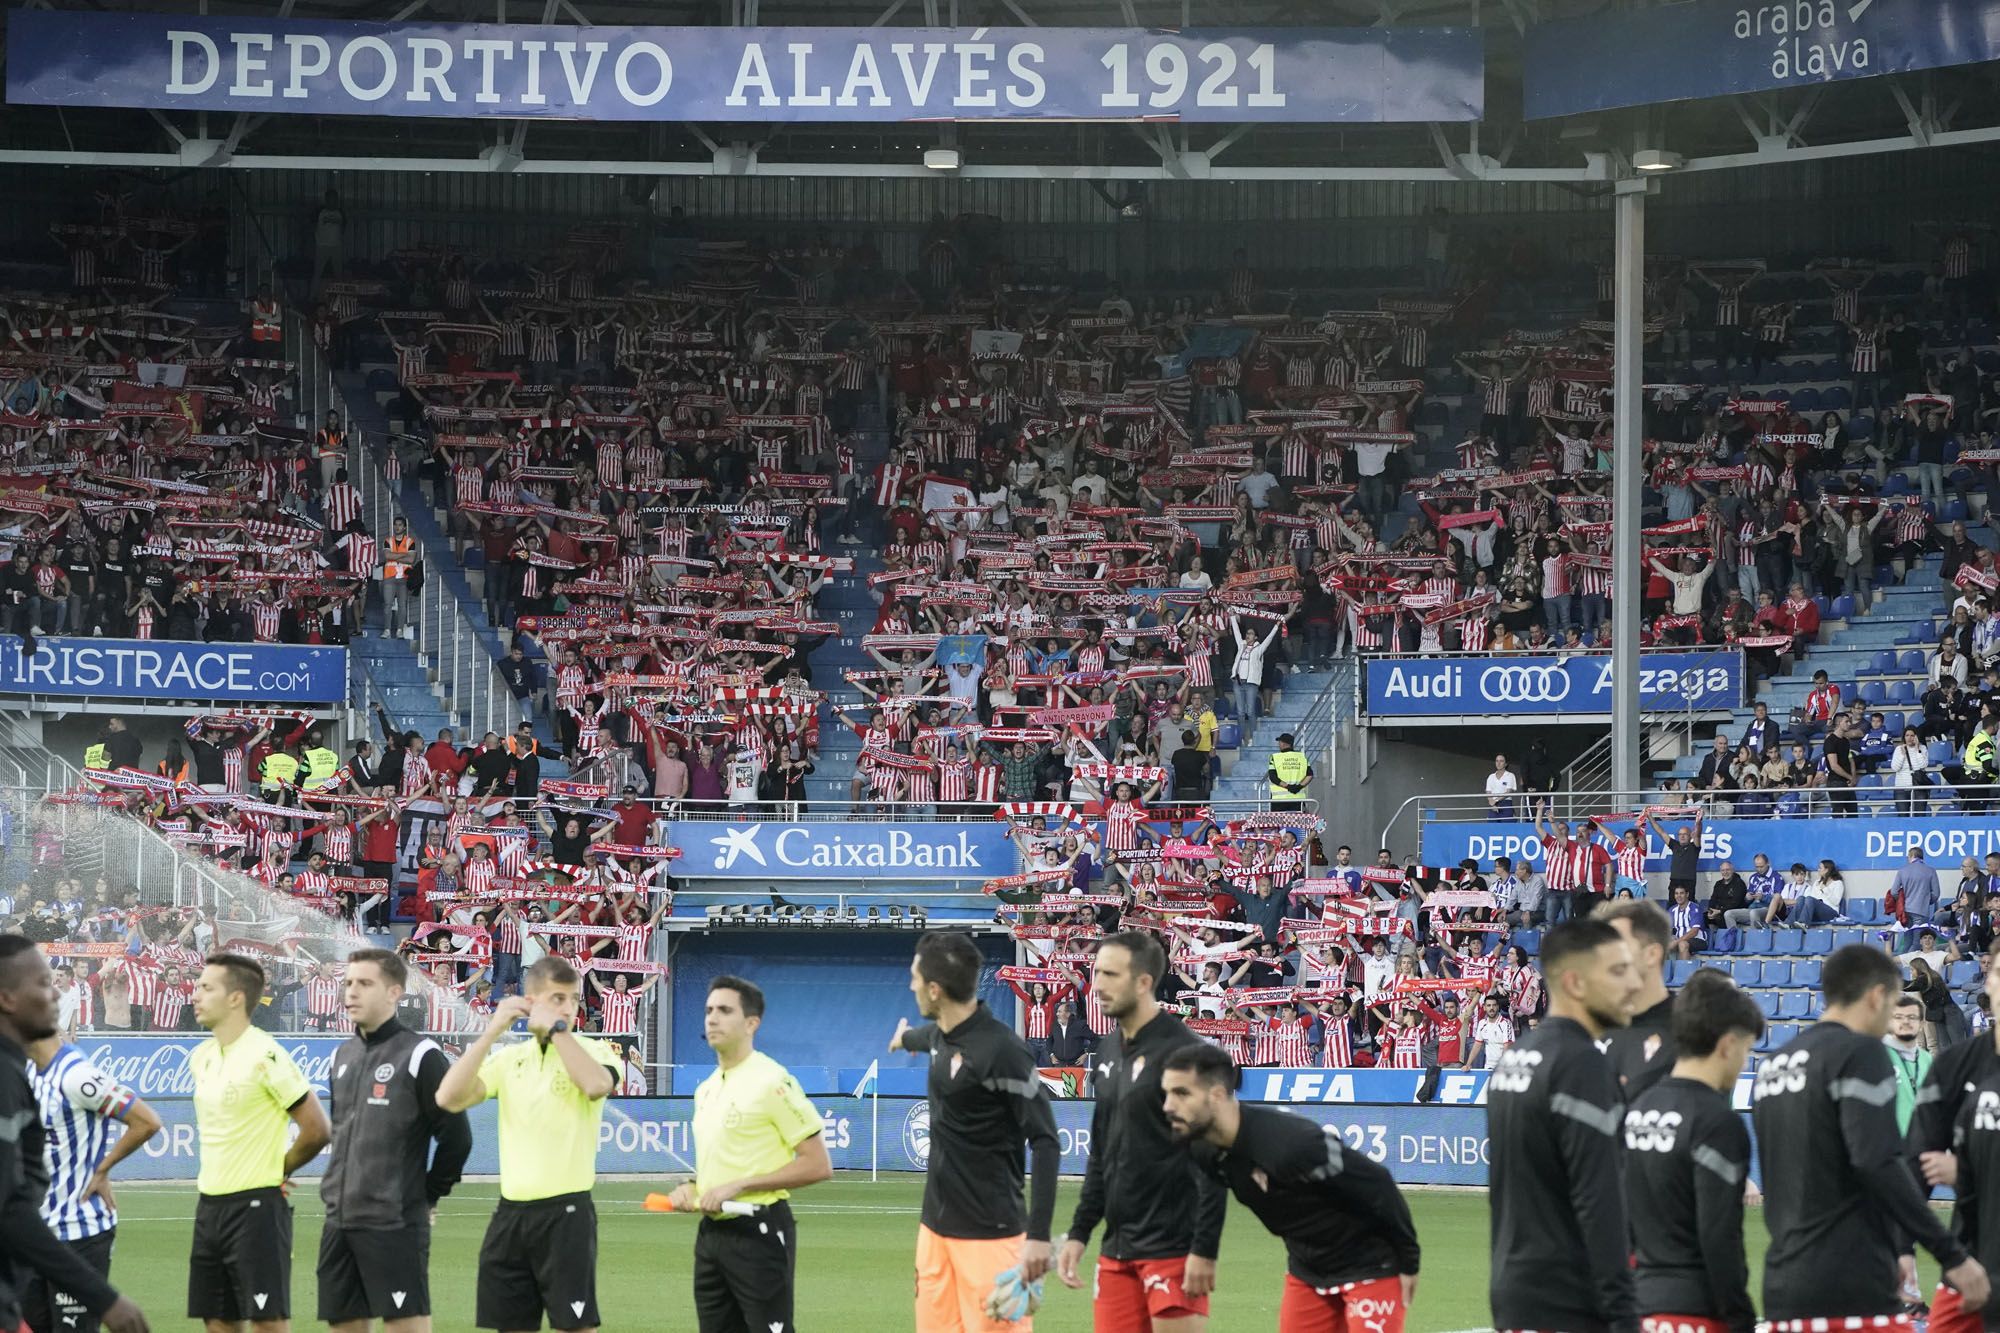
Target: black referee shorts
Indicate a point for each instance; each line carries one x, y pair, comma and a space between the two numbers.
374, 1274
743, 1270
50, 1311
539, 1259
241, 1266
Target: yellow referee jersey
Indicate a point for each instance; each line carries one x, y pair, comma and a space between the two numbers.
243, 1097
748, 1121
548, 1126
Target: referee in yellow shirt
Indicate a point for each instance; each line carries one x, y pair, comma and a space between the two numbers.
540, 1252
248, 1094
756, 1138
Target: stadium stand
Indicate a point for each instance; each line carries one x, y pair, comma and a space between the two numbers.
777, 532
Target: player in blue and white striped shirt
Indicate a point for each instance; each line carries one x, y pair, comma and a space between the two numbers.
78, 1104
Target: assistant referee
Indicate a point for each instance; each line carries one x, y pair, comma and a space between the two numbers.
248, 1094
540, 1252
756, 1138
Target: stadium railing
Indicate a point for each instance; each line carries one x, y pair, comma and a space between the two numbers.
821, 811
1873, 802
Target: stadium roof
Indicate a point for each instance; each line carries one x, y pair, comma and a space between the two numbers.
1948, 107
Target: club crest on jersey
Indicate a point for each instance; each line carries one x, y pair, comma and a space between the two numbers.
384, 1072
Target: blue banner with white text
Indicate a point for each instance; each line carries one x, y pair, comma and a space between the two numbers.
144, 669
1630, 56
1851, 844
1421, 1145
1528, 685
186, 62
977, 850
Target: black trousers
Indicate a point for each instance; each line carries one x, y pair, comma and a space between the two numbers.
50, 1311
743, 1271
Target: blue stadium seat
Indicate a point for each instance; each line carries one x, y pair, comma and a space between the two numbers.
1898, 485
1911, 662
1777, 972
1868, 911
1893, 722
1757, 940
1679, 970
1819, 941
1529, 940
1843, 607
1874, 693
1940, 752
1965, 972
1746, 971
1882, 664
1954, 511
1861, 428
1792, 1004
1806, 400
1902, 692
1805, 972
1768, 1002
1786, 940
1837, 399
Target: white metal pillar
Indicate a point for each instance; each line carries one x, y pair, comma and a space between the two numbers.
1627, 580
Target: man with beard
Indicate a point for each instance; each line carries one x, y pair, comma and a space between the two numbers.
1351, 1248
1561, 1258
1163, 1219
27, 1246
1642, 1052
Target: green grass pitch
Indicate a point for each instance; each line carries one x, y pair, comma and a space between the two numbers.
855, 1244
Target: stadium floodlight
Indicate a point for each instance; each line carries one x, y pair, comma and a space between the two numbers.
1657, 159
941, 159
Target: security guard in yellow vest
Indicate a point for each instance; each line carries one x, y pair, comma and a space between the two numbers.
399, 554
281, 769
1289, 776
320, 762
1978, 759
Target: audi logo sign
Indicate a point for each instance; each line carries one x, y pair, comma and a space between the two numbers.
1539, 686
1524, 685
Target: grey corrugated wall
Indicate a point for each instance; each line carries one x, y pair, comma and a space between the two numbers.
1850, 205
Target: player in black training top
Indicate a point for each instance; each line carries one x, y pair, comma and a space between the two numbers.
1162, 1218
1350, 1246
986, 1101
1553, 1116
1966, 1065
1839, 1195
1642, 1052
1976, 1156
1687, 1154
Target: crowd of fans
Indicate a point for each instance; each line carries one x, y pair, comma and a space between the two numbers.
1108, 526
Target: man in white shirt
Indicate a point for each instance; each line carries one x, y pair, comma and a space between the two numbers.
1688, 583
1257, 483
1371, 463
1501, 784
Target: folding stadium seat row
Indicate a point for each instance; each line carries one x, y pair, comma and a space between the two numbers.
1890, 662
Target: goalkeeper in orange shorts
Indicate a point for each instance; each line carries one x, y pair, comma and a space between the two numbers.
981, 1252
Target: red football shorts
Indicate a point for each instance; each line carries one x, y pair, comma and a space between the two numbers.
1131, 1293
1949, 1315
1681, 1323
1374, 1306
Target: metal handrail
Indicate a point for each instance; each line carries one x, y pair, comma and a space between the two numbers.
1570, 806
937, 812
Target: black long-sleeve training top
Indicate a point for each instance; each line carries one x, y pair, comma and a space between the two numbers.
27, 1246
986, 1101
1340, 1215
1560, 1255
1687, 1154
1153, 1201
1839, 1195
